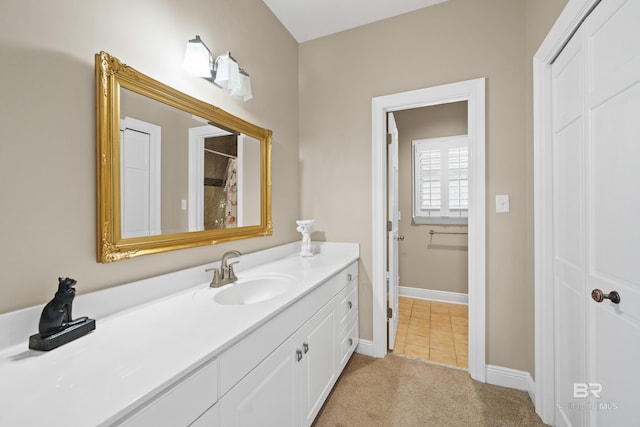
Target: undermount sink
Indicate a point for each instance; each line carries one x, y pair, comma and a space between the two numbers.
255, 289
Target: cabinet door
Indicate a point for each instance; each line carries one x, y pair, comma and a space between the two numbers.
318, 367
267, 395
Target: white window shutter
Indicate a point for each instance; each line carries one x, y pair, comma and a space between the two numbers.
430, 176
441, 180
458, 178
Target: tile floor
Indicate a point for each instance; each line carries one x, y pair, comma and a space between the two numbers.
433, 330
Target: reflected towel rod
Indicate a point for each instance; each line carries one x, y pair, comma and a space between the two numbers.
231, 156
432, 232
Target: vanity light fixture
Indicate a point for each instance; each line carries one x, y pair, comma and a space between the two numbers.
223, 72
197, 58
227, 72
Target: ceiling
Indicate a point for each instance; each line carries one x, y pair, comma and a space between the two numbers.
309, 19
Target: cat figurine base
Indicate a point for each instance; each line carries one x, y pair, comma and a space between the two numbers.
56, 325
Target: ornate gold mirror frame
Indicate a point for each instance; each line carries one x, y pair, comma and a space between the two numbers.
111, 77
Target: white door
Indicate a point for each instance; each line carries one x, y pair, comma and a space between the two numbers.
139, 178
393, 276
596, 101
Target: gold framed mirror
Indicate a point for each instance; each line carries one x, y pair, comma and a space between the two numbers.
173, 172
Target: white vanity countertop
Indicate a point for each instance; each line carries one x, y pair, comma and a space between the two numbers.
134, 353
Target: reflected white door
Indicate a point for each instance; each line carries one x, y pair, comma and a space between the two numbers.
596, 102
393, 276
139, 178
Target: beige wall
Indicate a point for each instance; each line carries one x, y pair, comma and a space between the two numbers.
437, 262
453, 41
47, 126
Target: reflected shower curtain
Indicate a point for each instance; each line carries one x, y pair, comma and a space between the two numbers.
227, 198
231, 192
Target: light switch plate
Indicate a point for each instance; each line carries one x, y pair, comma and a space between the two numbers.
502, 203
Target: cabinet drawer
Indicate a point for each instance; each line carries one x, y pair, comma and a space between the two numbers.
348, 274
349, 342
182, 403
348, 302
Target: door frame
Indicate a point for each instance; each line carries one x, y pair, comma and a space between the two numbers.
195, 209
472, 91
567, 23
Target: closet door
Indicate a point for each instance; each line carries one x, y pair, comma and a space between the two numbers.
612, 99
596, 228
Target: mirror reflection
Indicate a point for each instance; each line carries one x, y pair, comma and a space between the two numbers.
179, 173
173, 171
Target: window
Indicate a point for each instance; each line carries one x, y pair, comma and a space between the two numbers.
441, 180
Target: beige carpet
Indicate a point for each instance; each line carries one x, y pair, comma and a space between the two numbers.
398, 391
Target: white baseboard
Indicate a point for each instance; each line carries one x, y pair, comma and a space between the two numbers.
365, 347
452, 297
512, 378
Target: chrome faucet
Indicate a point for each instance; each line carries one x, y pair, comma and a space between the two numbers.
224, 275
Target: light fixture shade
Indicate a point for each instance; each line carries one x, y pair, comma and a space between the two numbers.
227, 72
244, 91
197, 58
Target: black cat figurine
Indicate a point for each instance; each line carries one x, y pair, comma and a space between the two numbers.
56, 315
57, 327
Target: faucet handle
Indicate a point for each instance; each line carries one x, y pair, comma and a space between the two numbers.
231, 274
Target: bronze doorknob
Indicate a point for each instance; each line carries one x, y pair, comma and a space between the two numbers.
599, 296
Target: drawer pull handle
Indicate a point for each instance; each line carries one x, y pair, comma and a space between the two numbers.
305, 347
350, 342
350, 305
299, 354
349, 277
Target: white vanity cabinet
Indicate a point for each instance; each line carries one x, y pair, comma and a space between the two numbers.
167, 353
289, 385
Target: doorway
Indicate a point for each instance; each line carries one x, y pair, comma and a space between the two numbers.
431, 186
473, 92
